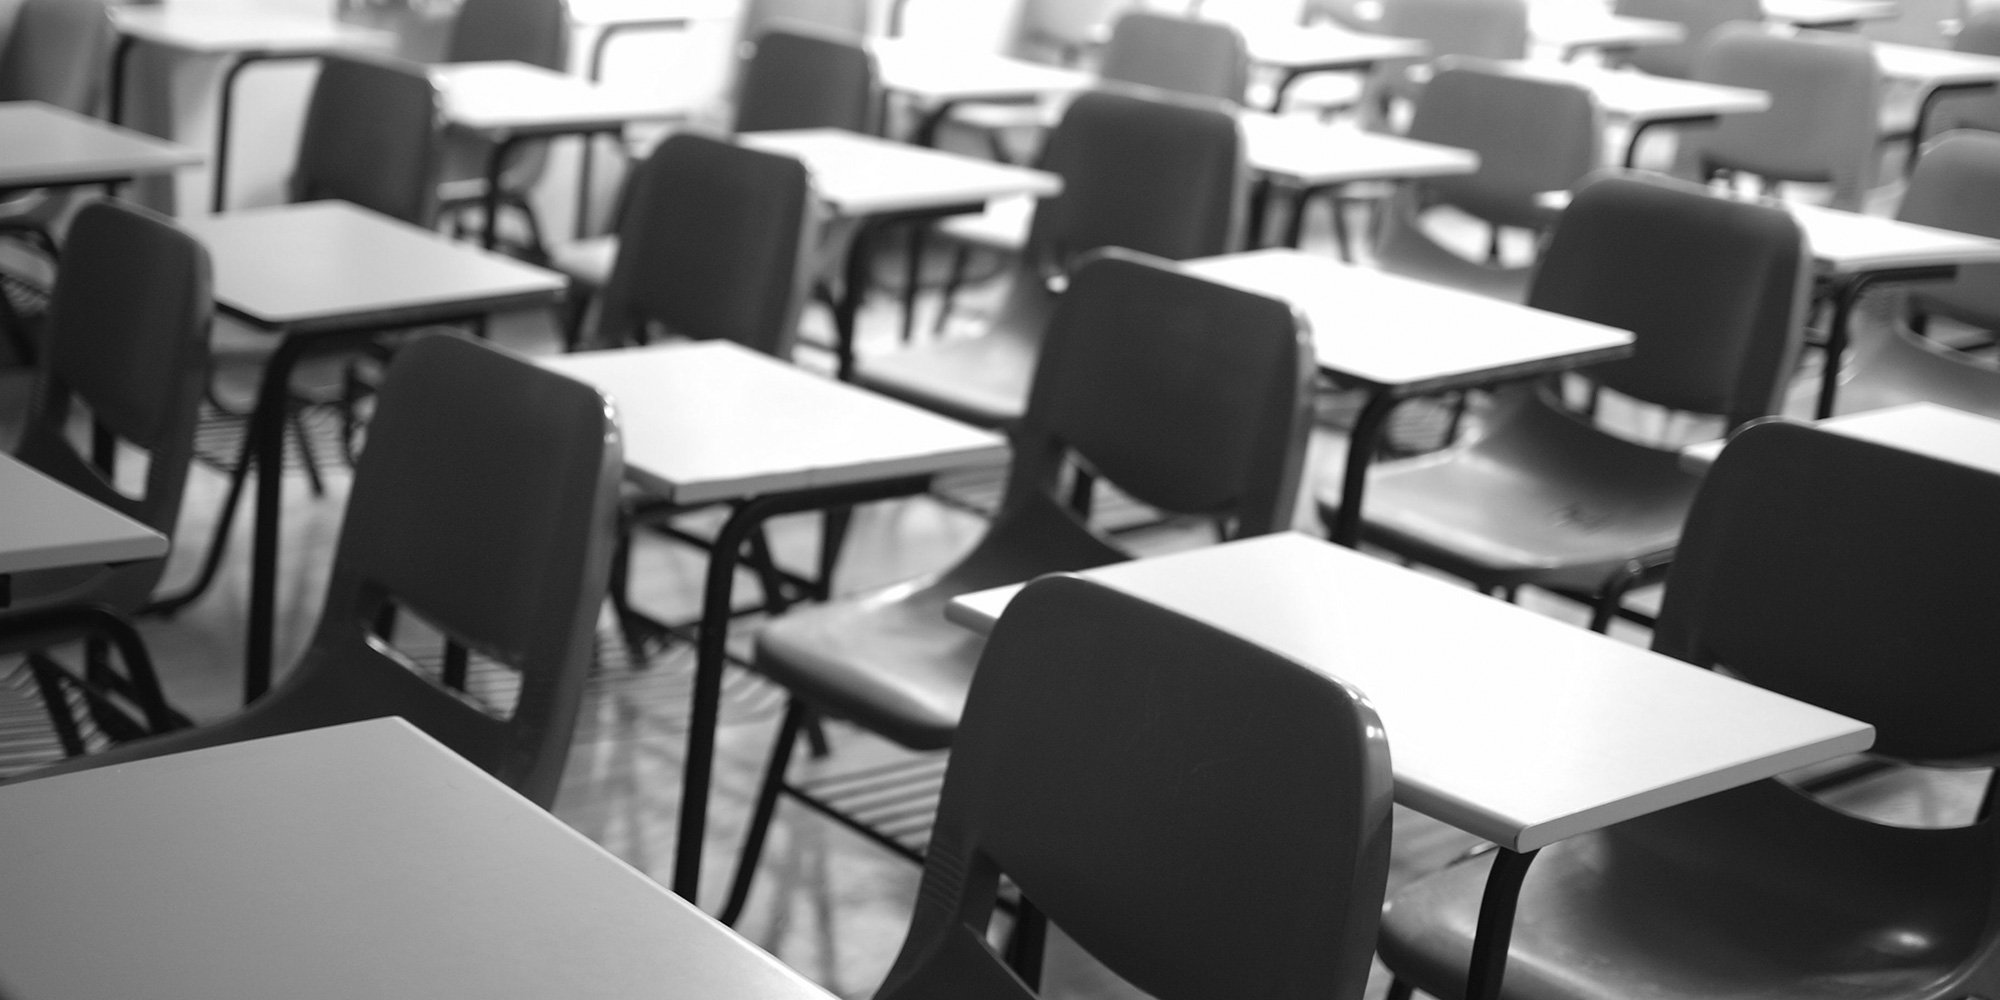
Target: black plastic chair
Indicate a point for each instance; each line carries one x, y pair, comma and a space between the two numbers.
1714, 291
371, 137
536, 32
485, 506
1700, 18
1141, 170
1205, 816
128, 351
1839, 572
1189, 396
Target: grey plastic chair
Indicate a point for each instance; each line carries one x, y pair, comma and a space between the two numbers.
485, 505
1699, 17
1189, 396
371, 137
1205, 816
1843, 573
1821, 126
1141, 170
1714, 291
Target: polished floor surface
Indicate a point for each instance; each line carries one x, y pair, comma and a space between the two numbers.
828, 903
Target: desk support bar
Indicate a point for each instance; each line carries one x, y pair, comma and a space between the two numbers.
1496, 923
1845, 292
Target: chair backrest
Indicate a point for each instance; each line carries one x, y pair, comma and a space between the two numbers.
1204, 816
850, 18
1180, 54
58, 53
795, 78
1699, 17
1486, 29
1852, 575
1956, 185
371, 137
712, 245
485, 504
1142, 169
1189, 396
529, 31
1821, 126
128, 345
1532, 136
1713, 289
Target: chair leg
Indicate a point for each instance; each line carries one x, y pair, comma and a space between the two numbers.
575, 310
832, 538
913, 277
1611, 597
1399, 990
760, 814
1025, 943
961, 258
48, 681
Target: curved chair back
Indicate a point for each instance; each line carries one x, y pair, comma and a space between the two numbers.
1179, 54
841, 17
57, 53
529, 31
1699, 17
1124, 765
128, 345
1143, 170
1714, 291
1532, 136
1956, 185
801, 79
371, 137
1821, 126
1852, 575
1186, 395
712, 245
1486, 29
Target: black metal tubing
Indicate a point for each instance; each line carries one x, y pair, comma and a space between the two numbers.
1639, 129
1845, 292
496, 165
1924, 108
855, 274
33, 629
1361, 444
594, 72
1496, 924
712, 652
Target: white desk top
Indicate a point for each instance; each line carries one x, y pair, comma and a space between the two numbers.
1935, 67
1852, 243
715, 421
1823, 13
1408, 335
605, 13
519, 98
1310, 153
1598, 30
214, 28
863, 175
1925, 428
42, 145
1506, 724
934, 73
332, 263
48, 525
1327, 47
1642, 97
363, 860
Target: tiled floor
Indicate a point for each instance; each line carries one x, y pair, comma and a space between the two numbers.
828, 903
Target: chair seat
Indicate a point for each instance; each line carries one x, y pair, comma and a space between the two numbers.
1544, 499
1003, 226
1726, 897
981, 380
1410, 253
587, 261
888, 662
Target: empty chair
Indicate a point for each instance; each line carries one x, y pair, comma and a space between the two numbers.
1532, 136
1843, 573
536, 32
846, 17
1956, 185
128, 349
1476, 29
1140, 170
485, 506
1699, 17
1821, 126
1188, 395
371, 137
1123, 766
1714, 292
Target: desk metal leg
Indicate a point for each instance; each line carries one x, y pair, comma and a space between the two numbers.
1496, 924
1846, 293
1361, 443
712, 650
121, 57
1924, 108
1639, 129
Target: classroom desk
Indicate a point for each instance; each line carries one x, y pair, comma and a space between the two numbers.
1642, 100
357, 860
1311, 156
244, 35
1573, 33
1925, 428
1935, 73
506, 103
364, 274
1398, 338
873, 183
937, 78
48, 526
712, 422
1829, 13
1506, 724
45, 146
1297, 52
